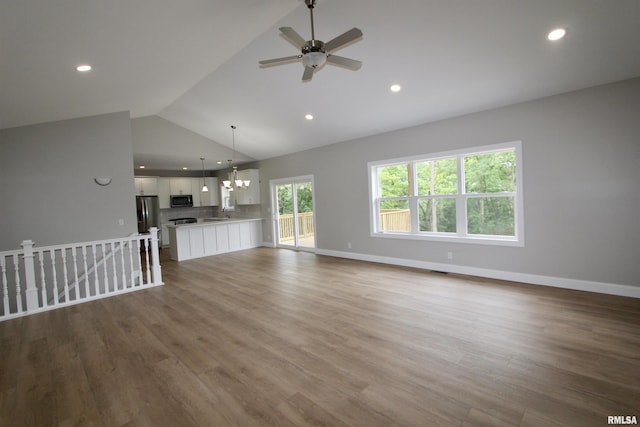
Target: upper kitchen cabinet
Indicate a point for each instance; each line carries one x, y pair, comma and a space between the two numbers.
164, 193
180, 186
211, 197
196, 187
251, 195
146, 186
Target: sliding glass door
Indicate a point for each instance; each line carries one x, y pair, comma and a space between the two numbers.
294, 208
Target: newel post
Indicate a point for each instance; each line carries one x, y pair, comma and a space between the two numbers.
30, 290
155, 257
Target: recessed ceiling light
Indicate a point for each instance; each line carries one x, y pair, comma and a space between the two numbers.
219, 162
395, 88
185, 168
556, 34
141, 166
83, 68
308, 116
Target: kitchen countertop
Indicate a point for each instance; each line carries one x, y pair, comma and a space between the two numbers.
211, 221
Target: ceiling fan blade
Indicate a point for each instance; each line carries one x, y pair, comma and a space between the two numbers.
307, 75
341, 61
293, 37
342, 40
279, 61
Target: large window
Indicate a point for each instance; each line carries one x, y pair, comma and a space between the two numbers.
470, 195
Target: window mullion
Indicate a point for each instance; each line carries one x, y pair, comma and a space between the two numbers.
413, 200
461, 201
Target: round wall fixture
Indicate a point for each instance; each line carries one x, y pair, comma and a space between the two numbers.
103, 180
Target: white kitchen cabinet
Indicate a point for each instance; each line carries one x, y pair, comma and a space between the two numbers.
146, 186
164, 188
251, 195
196, 242
180, 186
164, 193
234, 237
196, 186
164, 230
222, 239
179, 243
210, 238
211, 197
245, 234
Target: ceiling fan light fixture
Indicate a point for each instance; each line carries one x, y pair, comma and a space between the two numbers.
314, 59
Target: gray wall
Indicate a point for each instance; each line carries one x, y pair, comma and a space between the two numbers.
581, 154
48, 193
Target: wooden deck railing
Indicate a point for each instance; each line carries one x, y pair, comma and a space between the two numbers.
305, 225
35, 279
395, 220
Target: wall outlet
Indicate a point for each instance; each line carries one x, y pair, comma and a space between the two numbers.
449, 255
121, 221
349, 245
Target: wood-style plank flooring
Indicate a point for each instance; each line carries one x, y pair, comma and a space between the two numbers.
276, 337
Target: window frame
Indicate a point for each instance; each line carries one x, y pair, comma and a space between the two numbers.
461, 235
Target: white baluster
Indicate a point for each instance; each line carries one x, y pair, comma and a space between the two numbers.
131, 268
96, 281
124, 273
54, 276
76, 287
139, 258
5, 288
113, 262
16, 268
86, 271
104, 268
43, 282
146, 254
65, 284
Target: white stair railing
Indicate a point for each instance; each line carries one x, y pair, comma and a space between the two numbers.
98, 262
36, 279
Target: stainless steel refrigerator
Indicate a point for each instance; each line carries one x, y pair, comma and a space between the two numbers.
148, 215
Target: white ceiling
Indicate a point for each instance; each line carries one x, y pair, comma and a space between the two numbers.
195, 63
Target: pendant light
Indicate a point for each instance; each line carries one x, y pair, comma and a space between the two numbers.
204, 182
235, 183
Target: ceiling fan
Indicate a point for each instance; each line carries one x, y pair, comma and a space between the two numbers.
315, 53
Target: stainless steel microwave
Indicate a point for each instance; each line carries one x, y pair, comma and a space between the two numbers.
182, 201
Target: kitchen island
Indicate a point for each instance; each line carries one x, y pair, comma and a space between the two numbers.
212, 236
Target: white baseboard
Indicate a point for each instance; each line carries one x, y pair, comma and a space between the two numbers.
533, 279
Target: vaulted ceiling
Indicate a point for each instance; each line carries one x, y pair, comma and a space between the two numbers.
195, 64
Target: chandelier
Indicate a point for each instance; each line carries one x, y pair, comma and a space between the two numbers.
235, 183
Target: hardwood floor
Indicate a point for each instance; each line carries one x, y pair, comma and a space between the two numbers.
276, 337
